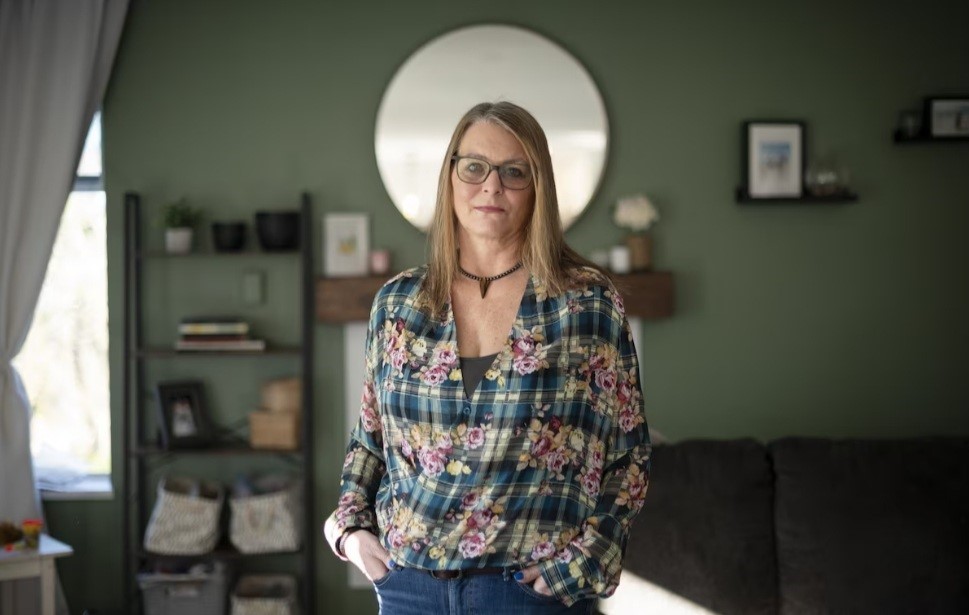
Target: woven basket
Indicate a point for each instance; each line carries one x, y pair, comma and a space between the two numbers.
268, 522
185, 520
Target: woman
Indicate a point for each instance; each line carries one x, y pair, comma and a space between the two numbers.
502, 450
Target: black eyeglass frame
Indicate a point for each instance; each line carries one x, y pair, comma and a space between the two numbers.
492, 167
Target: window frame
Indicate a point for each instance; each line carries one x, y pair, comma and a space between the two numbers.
90, 486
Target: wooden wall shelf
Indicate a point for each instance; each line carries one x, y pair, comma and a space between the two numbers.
346, 299
646, 295
898, 137
844, 197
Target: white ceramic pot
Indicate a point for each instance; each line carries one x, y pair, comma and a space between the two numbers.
619, 259
178, 240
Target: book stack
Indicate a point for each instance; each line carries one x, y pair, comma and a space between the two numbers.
216, 334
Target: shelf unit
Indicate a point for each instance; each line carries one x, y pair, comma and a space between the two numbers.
139, 452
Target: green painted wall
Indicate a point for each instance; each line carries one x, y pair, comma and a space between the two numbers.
832, 321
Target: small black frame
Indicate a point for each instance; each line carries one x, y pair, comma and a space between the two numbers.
182, 418
772, 169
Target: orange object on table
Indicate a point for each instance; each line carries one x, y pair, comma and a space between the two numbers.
31, 529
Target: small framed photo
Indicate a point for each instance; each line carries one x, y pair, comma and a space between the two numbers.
947, 116
181, 414
346, 244
773, 159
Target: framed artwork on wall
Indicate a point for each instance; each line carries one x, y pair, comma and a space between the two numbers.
947, 117
773, 159
346, 244
182, 419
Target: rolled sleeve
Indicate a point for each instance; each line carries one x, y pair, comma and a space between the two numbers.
364, 465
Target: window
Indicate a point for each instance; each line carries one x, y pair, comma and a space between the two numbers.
64, 361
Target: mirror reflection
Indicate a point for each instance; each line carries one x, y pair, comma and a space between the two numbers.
450, 74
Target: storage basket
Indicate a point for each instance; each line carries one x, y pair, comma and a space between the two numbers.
185, 520
201, 591
264, 594
270, 520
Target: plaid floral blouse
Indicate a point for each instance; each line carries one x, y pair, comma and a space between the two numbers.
547, 463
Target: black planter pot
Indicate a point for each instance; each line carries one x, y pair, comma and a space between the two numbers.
228, 236
277, 230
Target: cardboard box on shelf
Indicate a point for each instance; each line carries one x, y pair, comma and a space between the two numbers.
274, 430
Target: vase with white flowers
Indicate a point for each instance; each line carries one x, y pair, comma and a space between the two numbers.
637, 214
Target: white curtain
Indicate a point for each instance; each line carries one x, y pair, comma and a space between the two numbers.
55, 60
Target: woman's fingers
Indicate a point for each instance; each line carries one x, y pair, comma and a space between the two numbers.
364, 550
375, 568
528, 575
533, 576
541, 586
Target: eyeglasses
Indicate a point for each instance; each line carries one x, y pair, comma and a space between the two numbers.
514, 176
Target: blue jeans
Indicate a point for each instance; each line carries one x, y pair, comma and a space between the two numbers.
410, 591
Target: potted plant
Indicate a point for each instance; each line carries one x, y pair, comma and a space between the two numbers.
637, 214
179, 219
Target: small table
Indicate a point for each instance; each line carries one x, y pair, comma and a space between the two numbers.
29, 563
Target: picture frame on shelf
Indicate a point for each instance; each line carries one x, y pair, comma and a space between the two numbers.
947, 116
346, 244
773, 159
182, 417
910, 124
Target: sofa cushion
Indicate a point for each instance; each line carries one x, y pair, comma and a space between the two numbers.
872, 526
705, 535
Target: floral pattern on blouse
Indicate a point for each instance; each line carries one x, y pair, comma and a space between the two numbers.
546, 463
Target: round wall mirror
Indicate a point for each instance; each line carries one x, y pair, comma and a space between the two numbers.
450, 74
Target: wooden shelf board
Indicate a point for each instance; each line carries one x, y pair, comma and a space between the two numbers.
346, 299
222, 551
161, 351
898, 137
848, 197
152, 254
215, 450
645, 295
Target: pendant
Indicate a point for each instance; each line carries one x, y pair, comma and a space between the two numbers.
484, 283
